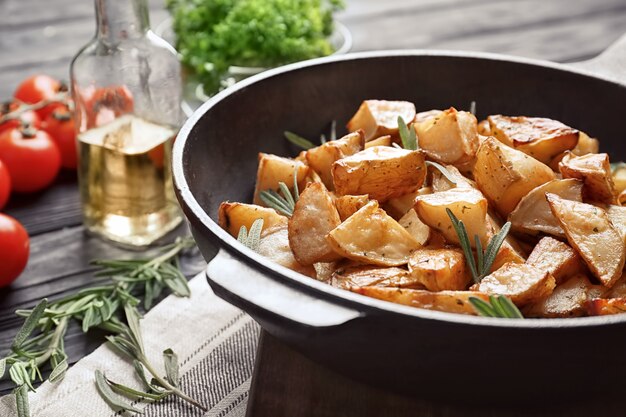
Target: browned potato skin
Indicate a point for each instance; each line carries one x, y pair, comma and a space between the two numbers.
595, 172
568, 299
439, 269
274, 245
274, 169
321, 158
231, 216
451, 137
380, 117
448, 301
538, 137
532, 215
586, 145
372, 237
604, 307
556, 257
522, 283
371, 276
381, 141
347, 205
505, 175
313, 218
590, 232
382, 172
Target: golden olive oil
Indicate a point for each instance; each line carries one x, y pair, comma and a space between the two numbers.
126, 182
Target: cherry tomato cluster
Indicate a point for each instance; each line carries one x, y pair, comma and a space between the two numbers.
37, 139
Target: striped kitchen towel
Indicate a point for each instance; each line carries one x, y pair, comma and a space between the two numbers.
216, 345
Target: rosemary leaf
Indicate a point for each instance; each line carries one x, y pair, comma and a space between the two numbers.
59, 370
276, 202
298, 140
511, 309
464, 241
251, 239
498, 306
444, 171
288, 197
3, 367
482, 308
133, 393
323, 139
133, 317
333, 130
472, 108
242, 237
29, 325
494, 247
16, 372
21, 401
111, 397
170, 359
408, 136
479, 253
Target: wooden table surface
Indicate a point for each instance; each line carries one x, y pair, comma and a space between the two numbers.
42, 37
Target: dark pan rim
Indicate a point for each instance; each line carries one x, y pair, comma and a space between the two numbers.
353, 300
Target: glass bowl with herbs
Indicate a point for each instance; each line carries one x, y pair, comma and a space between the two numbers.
221, 42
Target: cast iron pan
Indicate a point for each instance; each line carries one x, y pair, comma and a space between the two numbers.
412, 351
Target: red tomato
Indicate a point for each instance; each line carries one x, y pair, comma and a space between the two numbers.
28, 118
60, 125
36, 88
32, 158
107, 103
5, 185
14, 249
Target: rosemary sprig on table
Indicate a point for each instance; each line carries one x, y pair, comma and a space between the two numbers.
251, 238
407, 136
485, 258
498, 306
40, 340
286, 202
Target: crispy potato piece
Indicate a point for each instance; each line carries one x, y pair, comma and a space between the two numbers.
347, 205
441, 183
381, 172
469, 205
450, 137
325, 270
617, 217
399, 206
415, 227
619, 179
424, 116
538, 137
505, 175
533, 215
556, 257
381, 141
604, 307
380, 117
231, 216
371, 236
586, 145
448, 301
567, 300
373, 276
618, 290
321, 158
274, 169
439, 269
274, 245
313, 217
484, 128
595, 172
590, 232
522, 283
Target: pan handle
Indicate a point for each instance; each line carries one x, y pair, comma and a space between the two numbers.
261, 295
611, 63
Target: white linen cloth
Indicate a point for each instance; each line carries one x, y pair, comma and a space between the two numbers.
215, 343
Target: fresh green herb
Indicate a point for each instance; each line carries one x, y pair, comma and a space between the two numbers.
299, 140
286, 202
252, 238
498, 306
444, 171
472, 108
486, 258
212, 35
408, 136
40, 341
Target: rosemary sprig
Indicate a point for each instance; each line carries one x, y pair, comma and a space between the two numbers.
286, 202
251, 238
498, 306
40, 341
472, 108
307, 144
444, 171
485, 258
408, 136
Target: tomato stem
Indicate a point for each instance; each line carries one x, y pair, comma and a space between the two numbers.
60, 97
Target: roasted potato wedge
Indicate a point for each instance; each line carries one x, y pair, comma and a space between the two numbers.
538, 137
450, 137
371, 236
274, 245
412, 223
604, 307
381, 172
567, 300
590, 232
556, 257
448, 301
314, 216
380, 117
424, 116
322, 158
468, 205
522, 283
586, 145
381, 141
619, 178
533, 215
505, 175
373, 276
439, 269
275, 169
618, 290
595, 172
484, 128
510, 251
441, 183
399, 206
347, 205
617, 217
231, 216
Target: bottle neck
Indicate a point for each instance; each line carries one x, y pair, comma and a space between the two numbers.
121, 19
